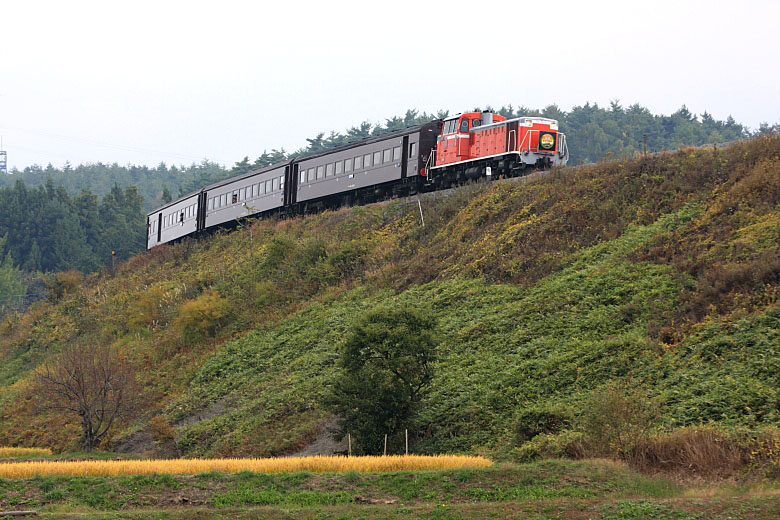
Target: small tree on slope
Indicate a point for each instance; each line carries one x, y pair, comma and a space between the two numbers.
386, 367
93, 382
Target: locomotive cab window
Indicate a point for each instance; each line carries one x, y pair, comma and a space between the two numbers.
464, 125
476, 122
450, 126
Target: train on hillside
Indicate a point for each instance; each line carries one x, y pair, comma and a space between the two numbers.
420, 158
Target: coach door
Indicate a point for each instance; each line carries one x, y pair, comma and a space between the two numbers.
404, 156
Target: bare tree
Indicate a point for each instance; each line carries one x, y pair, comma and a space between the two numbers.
93, 382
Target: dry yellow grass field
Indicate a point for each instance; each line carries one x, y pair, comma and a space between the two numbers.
10, 453
95, 468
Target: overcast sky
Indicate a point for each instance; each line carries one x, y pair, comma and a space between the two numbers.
143, 82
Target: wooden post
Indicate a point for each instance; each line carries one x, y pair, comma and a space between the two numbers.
349, 444
406, 432
385, 445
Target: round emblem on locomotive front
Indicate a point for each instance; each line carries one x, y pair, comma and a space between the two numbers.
547, 141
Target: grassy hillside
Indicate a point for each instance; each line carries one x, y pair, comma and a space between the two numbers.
660, 273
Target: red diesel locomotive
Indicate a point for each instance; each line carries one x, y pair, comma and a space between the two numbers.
475, 144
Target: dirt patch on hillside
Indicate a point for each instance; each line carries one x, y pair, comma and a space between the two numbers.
323, 443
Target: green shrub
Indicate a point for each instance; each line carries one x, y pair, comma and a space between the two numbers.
62, 283
538, 419
202, 317
615, 418
570, 444
265, 293
149, 310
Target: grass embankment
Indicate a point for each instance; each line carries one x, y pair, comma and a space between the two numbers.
659, 273
550, 489
366, 464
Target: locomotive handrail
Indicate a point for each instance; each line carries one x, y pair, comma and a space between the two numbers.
428, 163
527, 135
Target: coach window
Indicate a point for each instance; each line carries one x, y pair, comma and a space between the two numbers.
276, 183
464, 125
329, 170
397, 153
377, 158
339, 167
358, 162
320, 172
387, 155
281, 182
412, 150
211, 204
268, 186
367, 160
234, 198
348, 165
223, 200
303, 176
